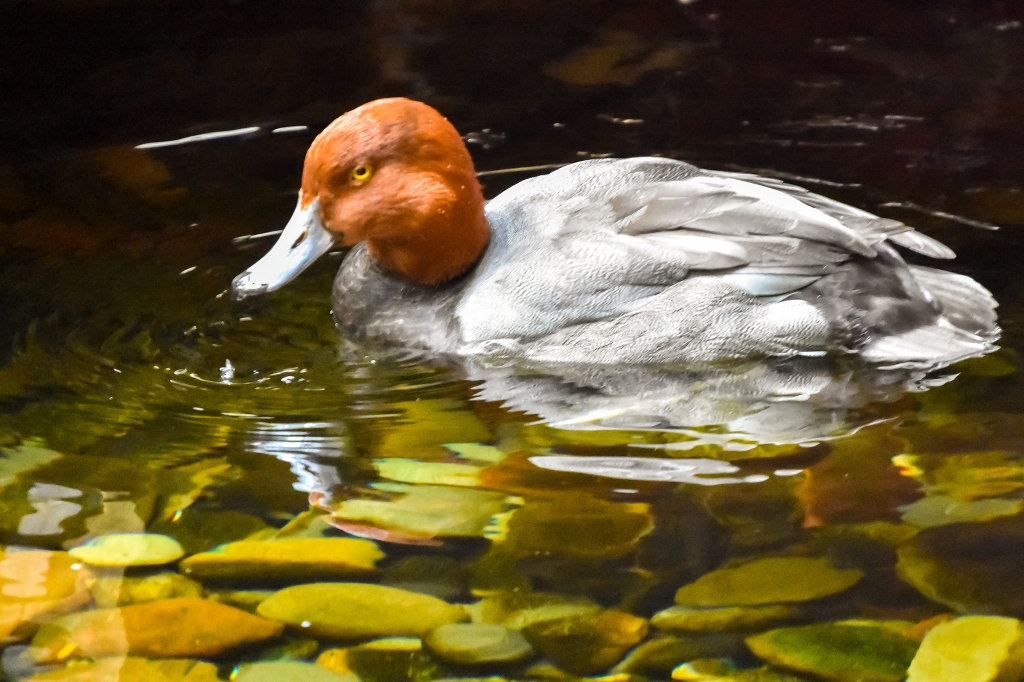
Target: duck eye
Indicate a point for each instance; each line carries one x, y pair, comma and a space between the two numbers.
361, 173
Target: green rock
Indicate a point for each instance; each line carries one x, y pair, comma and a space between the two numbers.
439, 576
470, 643
129, 549
712, 619
431, 473
111, 591
518, 610
971, 649
579, 527
199, 530
587, 643
358, 610
287, 559
768, 581
247, 600
169, 628
392, 659
292, 650
704, 671
939, 510
659, 656
132, 669
424, 511
838, 651
969, 567
288, 671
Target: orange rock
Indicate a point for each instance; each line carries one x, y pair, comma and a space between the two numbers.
171, 628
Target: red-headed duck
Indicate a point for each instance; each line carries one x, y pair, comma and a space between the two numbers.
640, 260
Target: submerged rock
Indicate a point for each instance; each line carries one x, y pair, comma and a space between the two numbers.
392, 659
470, 643
717, 619
660, 656
34, 584
844, 652
970, 567
768, 581
286, 559
587, 643
111, 591
132, 669
519, 609
129, 549
199, 530
421, 512
358, 610
247, 600
971, 649
185, 627
715, 671
288, 671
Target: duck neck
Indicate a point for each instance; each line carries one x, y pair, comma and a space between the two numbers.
449, 237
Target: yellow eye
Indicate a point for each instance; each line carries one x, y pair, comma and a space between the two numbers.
361, 173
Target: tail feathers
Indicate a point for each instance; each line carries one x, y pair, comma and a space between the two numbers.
922, 244
965, 303
966, 328
933, 345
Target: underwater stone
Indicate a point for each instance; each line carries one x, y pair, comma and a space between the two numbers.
712, 619
132, 669
971, 649
660, 656
170, 628
844, 652
439, 576
35, 583
247, 600
470, 643
520, 609
129, 549
391, 659
424, 511
969, 567
199, 530
288, 671
286, 559
715, 671
768, 581
111, 591
587, 643
358, 611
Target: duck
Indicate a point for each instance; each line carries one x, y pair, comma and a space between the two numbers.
629, 261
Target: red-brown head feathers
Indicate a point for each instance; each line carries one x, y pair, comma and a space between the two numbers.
395, 174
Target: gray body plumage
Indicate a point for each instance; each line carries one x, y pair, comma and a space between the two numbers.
651, 260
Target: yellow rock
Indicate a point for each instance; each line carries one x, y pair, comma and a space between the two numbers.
335, 660
771, 580
111, 591
171, 628
358, 611
971, 649
37, 583
431, 473
132, 669
129, 549
286, 559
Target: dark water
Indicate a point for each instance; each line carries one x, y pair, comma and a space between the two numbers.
135, 395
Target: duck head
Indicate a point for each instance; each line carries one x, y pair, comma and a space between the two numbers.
395, 174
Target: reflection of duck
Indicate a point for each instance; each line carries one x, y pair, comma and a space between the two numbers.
643, 260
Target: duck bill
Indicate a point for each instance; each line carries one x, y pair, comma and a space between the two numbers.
303, 240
